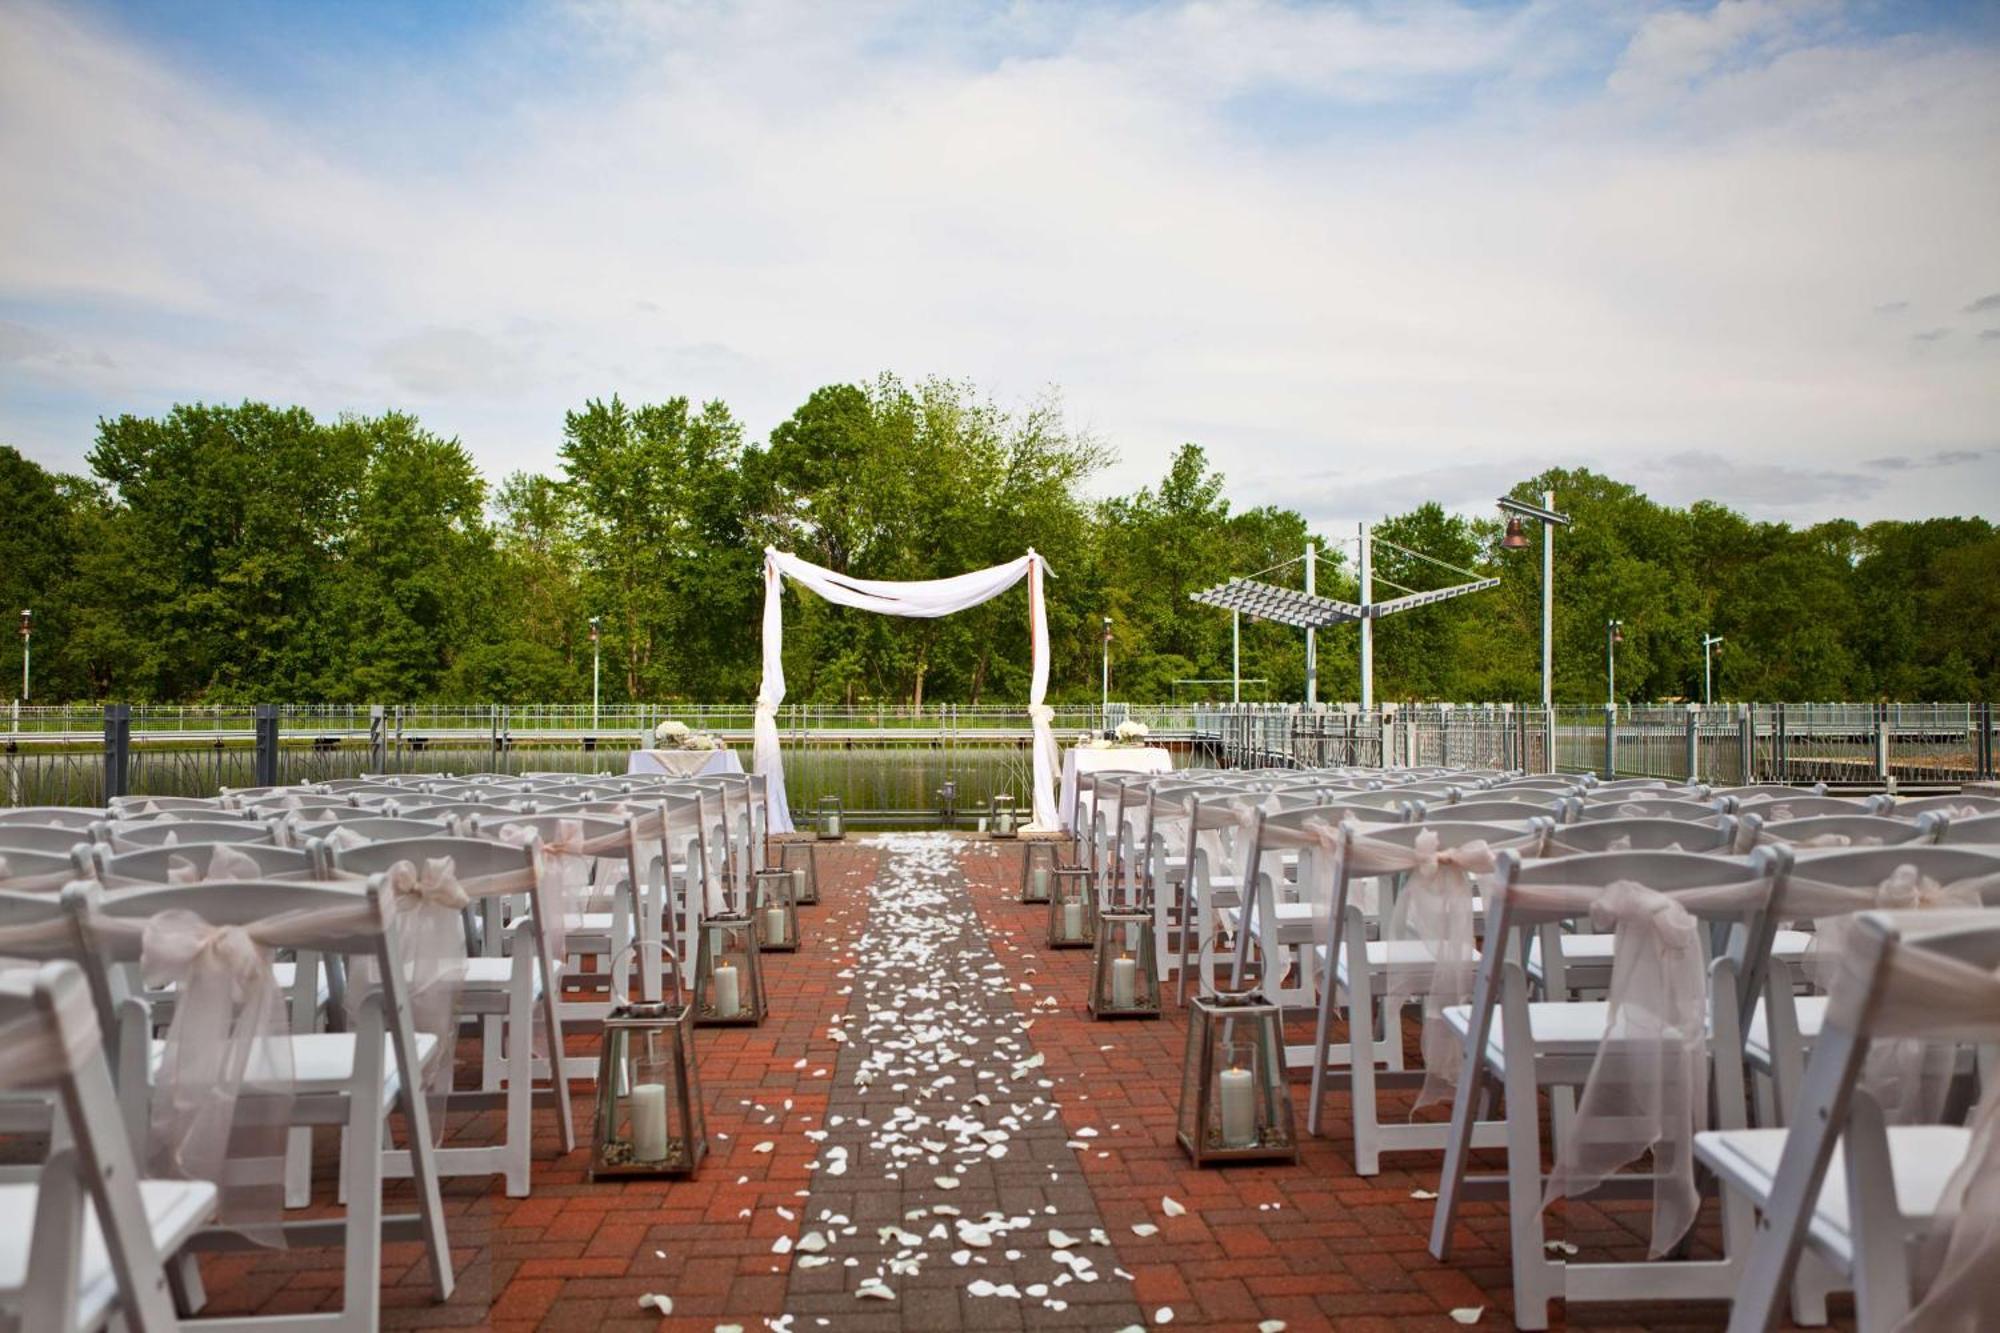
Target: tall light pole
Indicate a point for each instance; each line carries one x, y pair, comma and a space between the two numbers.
27, 647
1516, 540
1312, 640
1614, 634
1236, 657
596, 665
1366, 561
1708, 641
1105, 715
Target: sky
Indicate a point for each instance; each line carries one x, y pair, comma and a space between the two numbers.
1368, 255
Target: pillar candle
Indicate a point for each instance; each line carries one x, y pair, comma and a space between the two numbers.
1039, 878
1239, 1109
649, 1122
1072, 920
774, 925
728, 999
1124, 983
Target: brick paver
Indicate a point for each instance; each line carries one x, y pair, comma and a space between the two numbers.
934, 971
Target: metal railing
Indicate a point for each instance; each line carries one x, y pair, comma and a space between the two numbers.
890, 758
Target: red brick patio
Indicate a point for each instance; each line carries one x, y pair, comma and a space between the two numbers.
1312, 1245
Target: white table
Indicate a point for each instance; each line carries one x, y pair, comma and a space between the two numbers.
1117, 759
684, 763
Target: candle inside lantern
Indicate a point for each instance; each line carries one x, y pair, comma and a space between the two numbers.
649, 1120
728, 998
1124, 983
1239, 1108
1072, 920
833, 824
1039, 877
774, 925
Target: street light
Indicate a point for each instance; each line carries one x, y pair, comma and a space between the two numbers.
596, 662
1107, 671
1708, 641
1614, 634
1516, 540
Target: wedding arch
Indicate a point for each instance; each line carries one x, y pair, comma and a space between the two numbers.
925, 599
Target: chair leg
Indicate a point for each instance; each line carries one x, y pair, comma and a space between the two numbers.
520, 1086
298, 1166
361, 1177
184, 1278
1322, 1026
558, 1072
1535, 1282
1361, 1070
491, 1061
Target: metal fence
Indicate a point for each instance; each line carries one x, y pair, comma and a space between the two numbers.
888, 759
1856, 746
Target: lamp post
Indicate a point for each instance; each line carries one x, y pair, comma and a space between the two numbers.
1614, 634
1517, 540
27, 648
596, 664
1105, 715
1708, 641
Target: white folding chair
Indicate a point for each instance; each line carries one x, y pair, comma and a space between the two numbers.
49, 838
501, 984
81, 818
1645, 834
85, 1244
1521, 1048
353, 1079
172, 833
1856, 1193
1368, 971
1784, 1024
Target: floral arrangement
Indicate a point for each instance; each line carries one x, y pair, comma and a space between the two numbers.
1129, 735
671, 735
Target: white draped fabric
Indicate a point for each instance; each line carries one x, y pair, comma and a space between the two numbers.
925, 599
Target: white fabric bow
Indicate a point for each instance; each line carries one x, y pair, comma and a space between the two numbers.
225, 864
228, 1035
1648, 1087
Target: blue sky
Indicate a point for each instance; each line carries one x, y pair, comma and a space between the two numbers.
1367, 254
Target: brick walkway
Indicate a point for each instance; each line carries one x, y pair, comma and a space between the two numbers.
1090, 1132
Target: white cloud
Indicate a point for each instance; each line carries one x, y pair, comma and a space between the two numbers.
1683, 259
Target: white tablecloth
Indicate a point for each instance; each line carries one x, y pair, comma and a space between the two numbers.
683, 763
1132, 759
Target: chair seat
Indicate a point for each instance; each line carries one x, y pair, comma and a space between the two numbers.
1595, 951
1921, 1158
175, 1210
1559, 1028
495, 974
1295, 921
323, 1062
1811, 1012
1385, 956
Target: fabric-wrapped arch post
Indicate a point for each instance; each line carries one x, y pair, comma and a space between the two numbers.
925, 599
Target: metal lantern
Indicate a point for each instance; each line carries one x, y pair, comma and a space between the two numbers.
1039, 859
1072, 909
832, 823
1125, 977
1001, 820
1235, 1106
728, 984
649, 1118
798, 858
776, 911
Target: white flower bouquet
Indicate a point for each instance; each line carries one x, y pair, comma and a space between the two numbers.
1130, 733
671, 735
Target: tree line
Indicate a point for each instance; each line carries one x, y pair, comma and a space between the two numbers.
234, 554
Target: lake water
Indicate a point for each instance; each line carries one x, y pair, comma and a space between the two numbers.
898, 785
